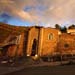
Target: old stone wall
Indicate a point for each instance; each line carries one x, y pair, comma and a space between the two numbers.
50, 39
33, 34
43, 42
66, 43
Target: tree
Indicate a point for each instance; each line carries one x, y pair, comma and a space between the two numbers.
63, 29
57, 26
71, 26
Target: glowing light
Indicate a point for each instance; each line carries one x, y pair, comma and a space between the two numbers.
28, 55
36, 55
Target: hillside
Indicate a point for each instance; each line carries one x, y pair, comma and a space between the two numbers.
6, 30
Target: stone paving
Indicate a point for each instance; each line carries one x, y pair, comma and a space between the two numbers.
6, 68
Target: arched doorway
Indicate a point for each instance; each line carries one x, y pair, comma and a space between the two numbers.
34, 48
4, 51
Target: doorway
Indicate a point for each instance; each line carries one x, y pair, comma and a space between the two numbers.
34, 48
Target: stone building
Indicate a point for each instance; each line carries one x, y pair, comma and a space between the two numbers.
40, 41
13, 45
66, 44
36, 41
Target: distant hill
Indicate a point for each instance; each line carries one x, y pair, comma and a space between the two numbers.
6, 30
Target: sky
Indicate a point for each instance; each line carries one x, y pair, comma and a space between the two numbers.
37, 12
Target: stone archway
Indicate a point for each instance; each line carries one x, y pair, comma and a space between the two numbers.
34, 48
5, 50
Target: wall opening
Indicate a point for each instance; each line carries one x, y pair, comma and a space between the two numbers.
34, 48
50, 36
4, 51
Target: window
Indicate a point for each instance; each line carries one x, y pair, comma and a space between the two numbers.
50, 36
66, 45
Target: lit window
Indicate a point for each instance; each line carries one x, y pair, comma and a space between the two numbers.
50, 36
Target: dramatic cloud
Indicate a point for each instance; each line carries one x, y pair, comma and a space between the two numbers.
45, 12
15, 8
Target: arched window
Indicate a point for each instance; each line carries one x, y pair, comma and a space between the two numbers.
50, 36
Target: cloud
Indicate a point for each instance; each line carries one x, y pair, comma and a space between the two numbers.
45, 12
15, 8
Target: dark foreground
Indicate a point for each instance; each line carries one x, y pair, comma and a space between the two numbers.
47, 70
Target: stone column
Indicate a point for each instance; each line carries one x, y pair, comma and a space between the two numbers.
40, 44
28, 51
20, 45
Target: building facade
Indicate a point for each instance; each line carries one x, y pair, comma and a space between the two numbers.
40, 41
